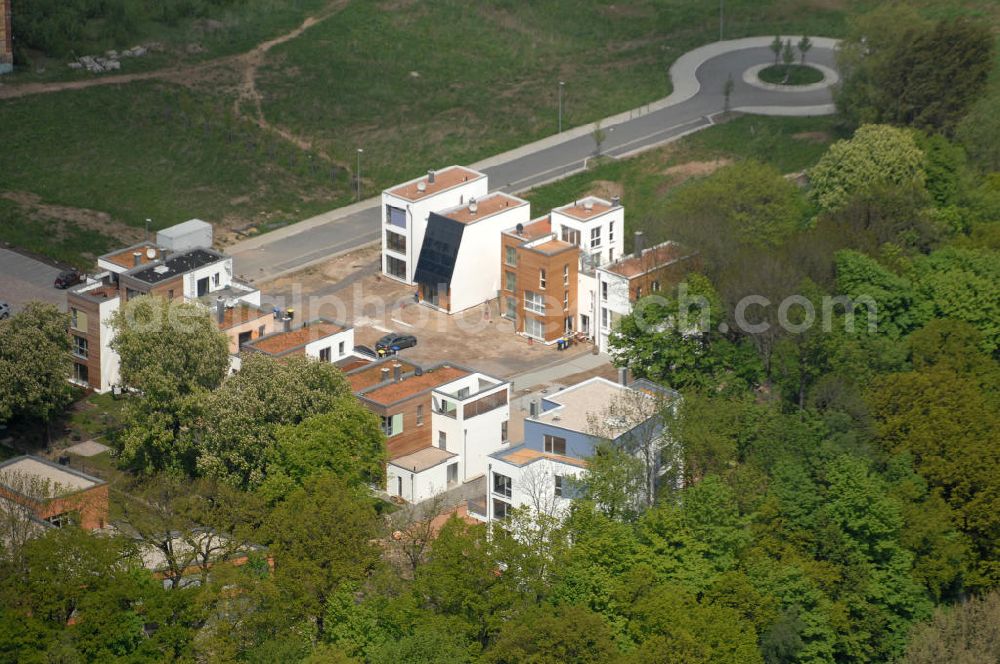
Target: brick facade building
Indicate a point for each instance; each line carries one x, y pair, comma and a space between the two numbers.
6, 38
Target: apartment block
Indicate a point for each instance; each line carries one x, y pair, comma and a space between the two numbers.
176, 270
539, 286
53, 495
406, 209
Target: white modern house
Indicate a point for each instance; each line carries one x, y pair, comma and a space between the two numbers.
563, 433
406, 208
459, 264
468, 422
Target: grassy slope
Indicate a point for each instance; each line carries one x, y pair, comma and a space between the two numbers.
488, 71
789, 144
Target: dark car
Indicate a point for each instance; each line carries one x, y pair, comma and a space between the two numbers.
68, 278
394, 342
366, 351
4, 310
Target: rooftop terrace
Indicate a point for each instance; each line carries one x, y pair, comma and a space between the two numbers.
421, 188
484, 208
282, 343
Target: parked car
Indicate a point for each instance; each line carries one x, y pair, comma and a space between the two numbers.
366, 351
4, 310
68, 278
395, 342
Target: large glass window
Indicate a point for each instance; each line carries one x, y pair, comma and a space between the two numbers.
595, 237
571, 236
534, 327
395, 216
392, 424
80, 347
541, 278
509, 280
395, 267
502, 485
78, 319
555, 444
81, 374
534, 302
395, 242
500, 509
558, 485
510, 255
511, 311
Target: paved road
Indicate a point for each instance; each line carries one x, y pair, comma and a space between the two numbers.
698, 76
23, 279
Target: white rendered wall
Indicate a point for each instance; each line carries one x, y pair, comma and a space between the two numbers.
110, 360
222, 267
533, 485
418, 487
476, 278
416, 218
617, 302
333, 343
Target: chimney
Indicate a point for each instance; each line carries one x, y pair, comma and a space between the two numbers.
220, 310
136, 258
616, 201
533, 408
397, 372
286, 324
623, 376
384, 374
430, 176
638, 243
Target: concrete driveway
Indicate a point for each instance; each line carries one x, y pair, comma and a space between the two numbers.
23, 279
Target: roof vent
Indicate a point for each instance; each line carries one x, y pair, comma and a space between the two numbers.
616, 201
473, 205
136, 258
418, 371
519, 229
430, 176
421, 186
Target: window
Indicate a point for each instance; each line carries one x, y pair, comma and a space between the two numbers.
500, 509
541, 278
81, 374
611, 255
604, 290
503, 431
420, 414
559, 485
170, 293
565, 300
568, 325
341, 349
260, 330
392, 424
80, 347
463, 393
571, 236
509, 281
442, 440
595, 237
395, 242
395, 267
655, 287
510, 256
395, 216
555, 444
324, 354
215, 279
78, 319
566, 274
501, 485
533, 327
534, 302
62, 520
244, 338
604, 317
638, 292
611, 232
511, 310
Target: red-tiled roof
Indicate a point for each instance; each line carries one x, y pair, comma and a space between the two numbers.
443, 180
241, 313
126, 257
652, 258
283, 342
485, 207
413, 385
579, 210
371, 375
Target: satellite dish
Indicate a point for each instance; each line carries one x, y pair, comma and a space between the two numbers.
150, 253
421, 186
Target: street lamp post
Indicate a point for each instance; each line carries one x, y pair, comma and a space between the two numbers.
722, 13
561, 85
148, 221
360, 150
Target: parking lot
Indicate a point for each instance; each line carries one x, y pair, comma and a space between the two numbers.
349, 288
23, 279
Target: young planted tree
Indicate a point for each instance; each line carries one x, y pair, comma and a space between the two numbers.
804, 45
727, 93
599, 136
788, 58
776, 47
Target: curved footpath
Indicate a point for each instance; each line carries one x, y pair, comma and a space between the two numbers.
698, 78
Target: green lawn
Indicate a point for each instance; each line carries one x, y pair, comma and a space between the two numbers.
646, 181
150, 150
791, 75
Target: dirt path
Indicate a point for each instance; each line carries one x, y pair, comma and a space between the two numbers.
246, 63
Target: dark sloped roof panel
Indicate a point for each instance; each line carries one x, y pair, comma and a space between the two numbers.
439, 251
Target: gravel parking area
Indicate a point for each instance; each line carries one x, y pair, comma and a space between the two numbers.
23, 279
